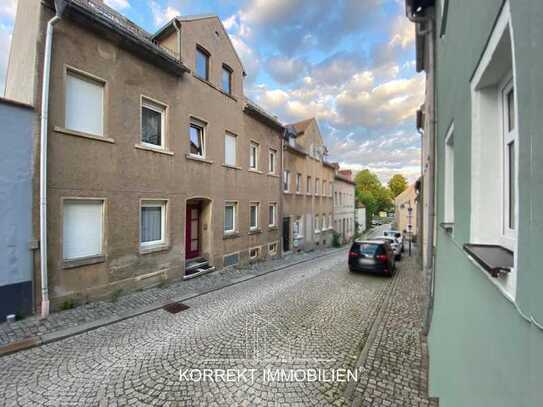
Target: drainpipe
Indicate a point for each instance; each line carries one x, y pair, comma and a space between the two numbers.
43, 157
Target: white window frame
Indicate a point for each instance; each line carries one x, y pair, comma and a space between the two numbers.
286, 180
508, 138
323, 221
299, 227
448, 193
298, 183
317, 184
316, 224
253, 147
102, 202
154, 203
257, 249
274, 251
202, 125
308, 186
94, 80
157, 107
487, 190
232, 136
234, 205
257, 206
274, 211
272, 161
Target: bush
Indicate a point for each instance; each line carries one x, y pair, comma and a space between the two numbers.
67, 304
336, 240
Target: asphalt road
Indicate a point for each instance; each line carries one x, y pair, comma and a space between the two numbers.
291, 337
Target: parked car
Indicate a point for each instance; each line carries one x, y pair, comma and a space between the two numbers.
372, 256
394, 244
376, 222
397, 235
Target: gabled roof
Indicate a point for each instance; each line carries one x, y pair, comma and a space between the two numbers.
254, 110
302, 126
169, 27
108, 23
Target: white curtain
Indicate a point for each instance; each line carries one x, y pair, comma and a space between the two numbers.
151, 224
82, 231
84, 105
230, 150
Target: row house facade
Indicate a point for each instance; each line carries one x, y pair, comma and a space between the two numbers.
483, 153
344, 205
154, 165
308, 183
157, 167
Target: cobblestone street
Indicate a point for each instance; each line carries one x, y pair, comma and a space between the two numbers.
314, 315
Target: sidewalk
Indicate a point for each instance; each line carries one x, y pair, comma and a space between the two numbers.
32, 331
394, 361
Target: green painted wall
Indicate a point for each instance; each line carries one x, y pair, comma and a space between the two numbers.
482, 352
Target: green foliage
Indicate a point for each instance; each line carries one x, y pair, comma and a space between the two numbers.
116, 294
370, 192
67, 304
397, 184
336, 242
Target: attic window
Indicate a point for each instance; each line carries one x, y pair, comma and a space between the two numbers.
202, 63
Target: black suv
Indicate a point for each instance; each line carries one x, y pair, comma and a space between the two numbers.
373, 256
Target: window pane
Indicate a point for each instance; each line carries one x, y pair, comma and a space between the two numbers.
151, 224
511, 154
226, 80
82, 229
253, 217
228, 218
196, 145
272, 162
230, 150
151, 126
253, 151
84, 105
271, 215
201, 65
511, 109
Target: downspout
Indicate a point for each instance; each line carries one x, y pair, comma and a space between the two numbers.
43, 157
429, 32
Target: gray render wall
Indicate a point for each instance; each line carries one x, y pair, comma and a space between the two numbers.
16, 132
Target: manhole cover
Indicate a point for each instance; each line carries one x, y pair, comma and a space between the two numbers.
175, 307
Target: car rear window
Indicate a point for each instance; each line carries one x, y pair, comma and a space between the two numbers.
368, 249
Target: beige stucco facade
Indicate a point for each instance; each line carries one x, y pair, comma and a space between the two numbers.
119, 170
307, 189
402, 205
344, 202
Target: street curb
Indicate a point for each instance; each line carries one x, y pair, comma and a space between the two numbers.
351, 388
32, 342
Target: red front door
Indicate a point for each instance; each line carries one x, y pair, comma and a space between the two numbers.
192, 236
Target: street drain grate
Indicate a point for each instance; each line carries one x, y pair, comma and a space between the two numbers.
175, 307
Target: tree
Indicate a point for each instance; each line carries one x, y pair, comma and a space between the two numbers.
370, 192
397, 184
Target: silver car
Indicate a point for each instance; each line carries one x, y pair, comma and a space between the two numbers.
397, 235
396, 247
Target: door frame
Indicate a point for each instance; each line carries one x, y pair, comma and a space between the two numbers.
188, 230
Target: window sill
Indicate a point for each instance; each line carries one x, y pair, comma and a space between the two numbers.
88, 136
231, 235
271, 174
153, 149
447, 226
494, 259
84, 261
255, 171
287, 192
232, 167
199, 159
273, 227
154, 249
255, 231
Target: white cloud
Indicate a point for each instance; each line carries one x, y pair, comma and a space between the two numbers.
118, 4
161, 15
403, 32
268, 11
284, 69
249, 56
5, 40
8, 8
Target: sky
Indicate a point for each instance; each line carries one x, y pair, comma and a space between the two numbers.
352, 66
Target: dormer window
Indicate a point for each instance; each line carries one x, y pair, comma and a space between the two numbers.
202, 63
227, 79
